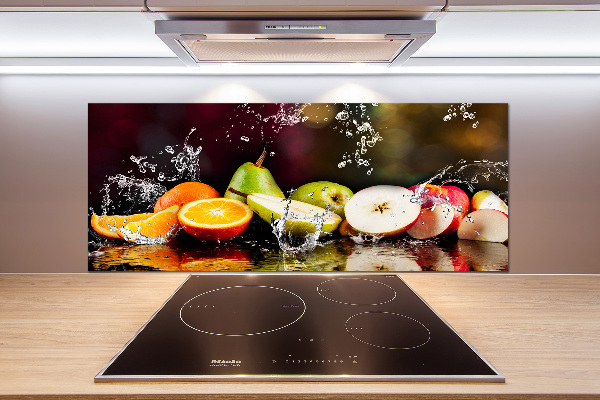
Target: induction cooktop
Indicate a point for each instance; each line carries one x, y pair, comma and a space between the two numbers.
290, 327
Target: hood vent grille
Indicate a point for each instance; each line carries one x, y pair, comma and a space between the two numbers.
295, 50
389, 42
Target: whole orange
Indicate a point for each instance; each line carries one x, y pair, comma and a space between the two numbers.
184, 193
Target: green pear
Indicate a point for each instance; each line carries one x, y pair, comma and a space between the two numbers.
301, 219
324, 194
252, 178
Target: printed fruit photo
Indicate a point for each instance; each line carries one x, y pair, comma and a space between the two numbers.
215, 219
301, 218
184, 193
383, 210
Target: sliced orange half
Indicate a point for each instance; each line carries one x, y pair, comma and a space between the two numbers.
154, 230
215, 219
109, 225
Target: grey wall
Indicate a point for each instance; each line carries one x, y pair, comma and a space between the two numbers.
554, 145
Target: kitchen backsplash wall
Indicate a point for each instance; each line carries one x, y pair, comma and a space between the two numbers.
367, 187
553, 141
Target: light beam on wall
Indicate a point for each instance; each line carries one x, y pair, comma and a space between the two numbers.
232, 93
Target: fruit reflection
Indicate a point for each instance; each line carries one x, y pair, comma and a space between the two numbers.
144, 257
483, 256
381, 257
327, 256
226, 258
431, 257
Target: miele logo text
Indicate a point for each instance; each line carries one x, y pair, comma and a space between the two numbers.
225, 363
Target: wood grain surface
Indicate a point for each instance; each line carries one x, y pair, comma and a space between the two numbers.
542, 332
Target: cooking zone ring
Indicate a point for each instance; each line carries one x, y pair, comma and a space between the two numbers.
395, 338
388, 292
294, 310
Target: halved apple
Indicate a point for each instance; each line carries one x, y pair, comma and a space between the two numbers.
452, 197
382, 210
432, 222
485, 225
301, 218
346, 230
486, 199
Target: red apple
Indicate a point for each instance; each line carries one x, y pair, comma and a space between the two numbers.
432, 222
443, 207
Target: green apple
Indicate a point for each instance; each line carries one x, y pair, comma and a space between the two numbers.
328, 195
301, 218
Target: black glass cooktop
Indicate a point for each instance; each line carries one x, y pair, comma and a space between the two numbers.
286, 326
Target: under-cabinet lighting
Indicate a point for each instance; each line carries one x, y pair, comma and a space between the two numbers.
414, 66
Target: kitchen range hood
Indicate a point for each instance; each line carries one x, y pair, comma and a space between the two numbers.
386, 42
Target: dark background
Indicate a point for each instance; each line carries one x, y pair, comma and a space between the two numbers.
416, 143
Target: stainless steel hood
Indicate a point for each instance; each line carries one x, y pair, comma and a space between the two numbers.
388, 42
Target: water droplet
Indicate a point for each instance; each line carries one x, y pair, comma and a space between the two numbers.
342, 115
245, 138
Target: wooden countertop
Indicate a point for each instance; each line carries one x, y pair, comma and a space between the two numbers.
541, 332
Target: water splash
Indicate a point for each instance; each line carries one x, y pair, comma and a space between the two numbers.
186, 162
364, 239
268, 124
469, 173
129, 195
463, 112
290, 243
355, 123
342, 115
139, 238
